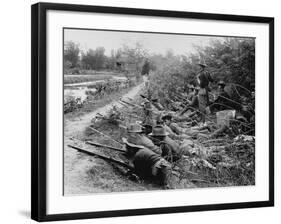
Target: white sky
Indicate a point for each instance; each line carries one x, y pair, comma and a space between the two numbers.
154, 43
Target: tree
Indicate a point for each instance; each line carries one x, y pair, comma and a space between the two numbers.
134, 55
145, 68
94, 59
231, 60
111, 61
71, 54
228, 59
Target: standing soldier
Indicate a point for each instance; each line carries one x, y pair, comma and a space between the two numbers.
203, 78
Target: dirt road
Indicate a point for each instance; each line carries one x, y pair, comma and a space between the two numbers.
76, 166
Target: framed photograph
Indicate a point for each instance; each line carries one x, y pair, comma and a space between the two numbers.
140, 111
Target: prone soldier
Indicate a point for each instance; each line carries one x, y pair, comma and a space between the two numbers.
169, 148
137, 136
148, 164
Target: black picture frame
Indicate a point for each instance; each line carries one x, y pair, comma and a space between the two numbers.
39, 114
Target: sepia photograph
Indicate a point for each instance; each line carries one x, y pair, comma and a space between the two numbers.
146, 111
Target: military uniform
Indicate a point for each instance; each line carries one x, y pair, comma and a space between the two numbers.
175, 128
223, 101
194, 104
148, 164
203, 78
141, 139
170, 150
137, 137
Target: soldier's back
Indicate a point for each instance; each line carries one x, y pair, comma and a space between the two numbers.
144, 160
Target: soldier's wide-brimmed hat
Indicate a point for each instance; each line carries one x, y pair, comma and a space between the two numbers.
168, 116
159, 131
221, 83
147, 123
134, 128
132, 142
154, 99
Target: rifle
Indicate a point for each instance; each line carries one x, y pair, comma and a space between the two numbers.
110, 159
130, 104
123, 104
95, 130
105, 146
143, 96
107, 158
132, 115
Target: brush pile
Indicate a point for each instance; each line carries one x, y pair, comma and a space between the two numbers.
214, 154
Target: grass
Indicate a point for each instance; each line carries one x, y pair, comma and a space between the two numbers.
70, 79
94, 104
101, 176
90, 75
241, 154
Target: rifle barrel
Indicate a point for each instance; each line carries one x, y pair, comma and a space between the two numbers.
93, 129
131, 104
105, 146
102, 156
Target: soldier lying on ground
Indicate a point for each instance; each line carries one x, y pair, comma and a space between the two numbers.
194, 103
184, 133
174, 127
223, 101
148, 165
170, 149
172, 135
147, 128
148, 113
189, 92
155, 102
248, 108
137, 136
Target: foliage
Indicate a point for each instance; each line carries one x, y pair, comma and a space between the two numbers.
70, 79
145, 68
94, 59
231, 60
228, 59
71, 54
